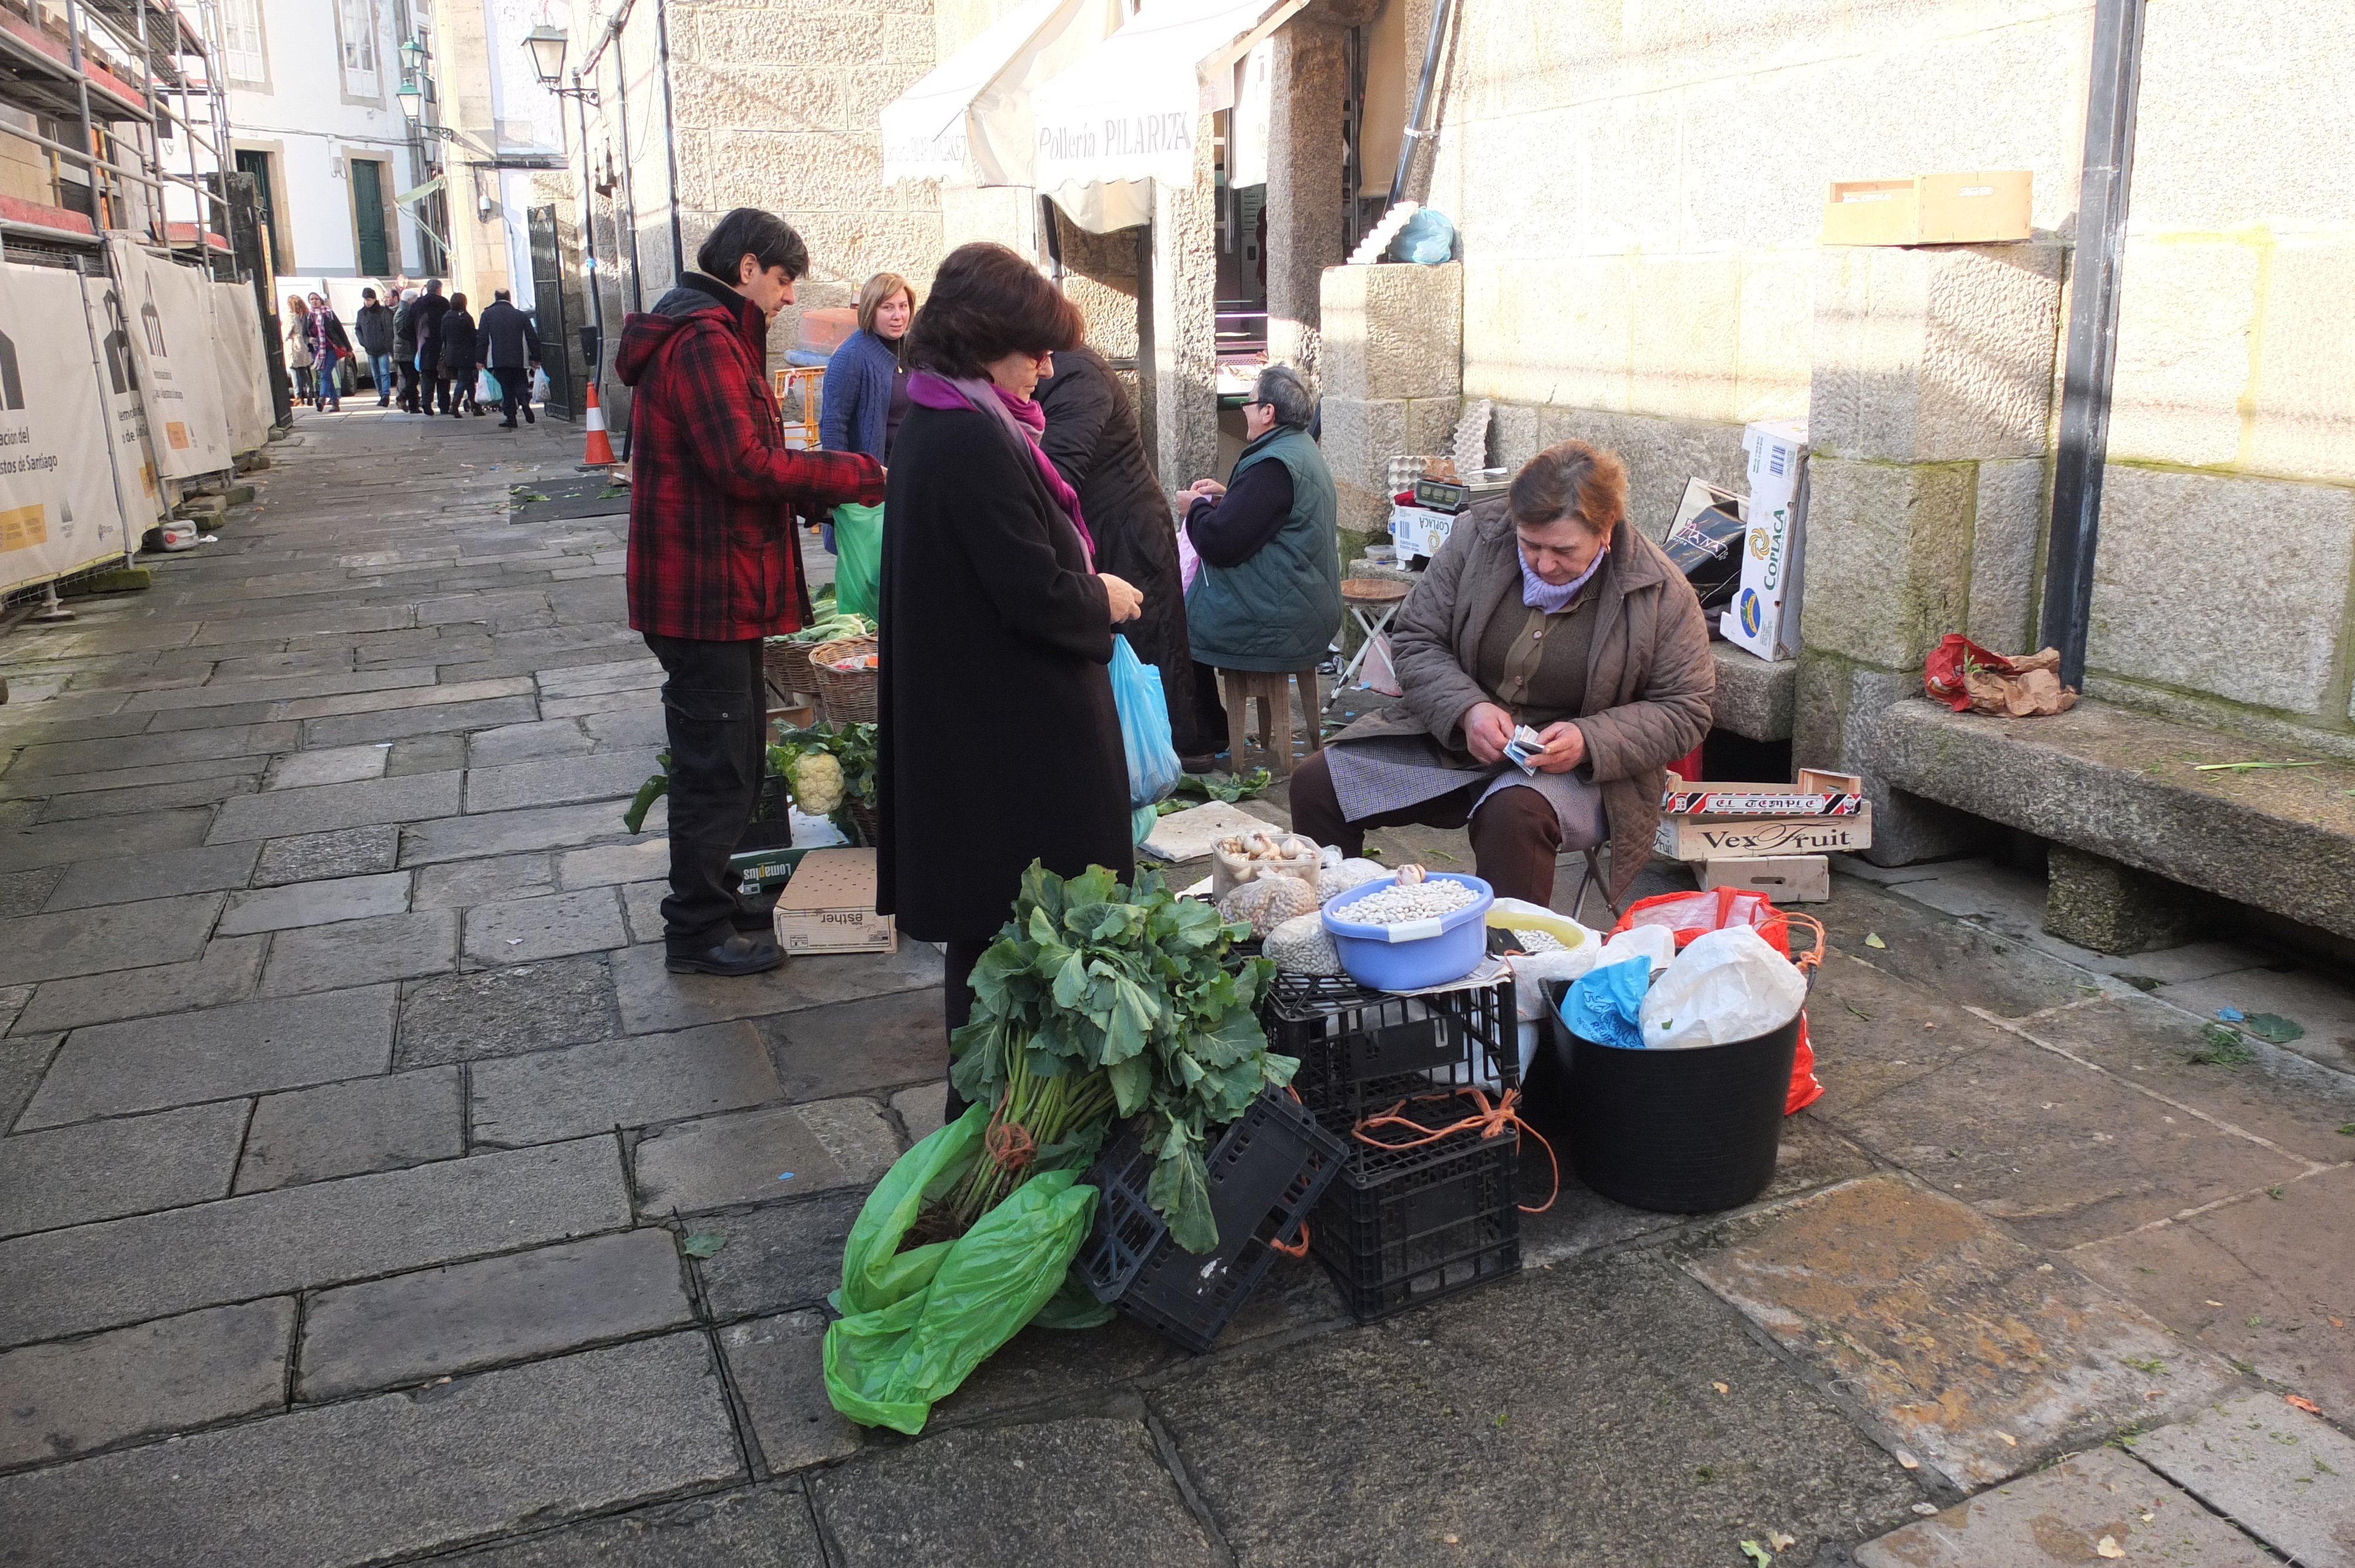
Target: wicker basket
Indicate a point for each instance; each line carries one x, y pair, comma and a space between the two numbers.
862, 816
844, 697
788, 665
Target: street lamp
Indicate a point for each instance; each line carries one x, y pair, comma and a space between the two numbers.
412, 101
413, 55
547, 45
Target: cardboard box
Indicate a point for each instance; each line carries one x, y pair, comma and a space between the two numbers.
1973, 207
1764, 618
1725, 838
1816, 794
1782, 878
829, 906
1418, 530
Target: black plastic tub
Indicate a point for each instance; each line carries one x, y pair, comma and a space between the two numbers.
1678, 1132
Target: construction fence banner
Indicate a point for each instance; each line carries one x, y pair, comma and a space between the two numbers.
244, 375
170, 323
135, 481
58, 506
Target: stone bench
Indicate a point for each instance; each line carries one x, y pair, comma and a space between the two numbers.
2119, 795
1755, 697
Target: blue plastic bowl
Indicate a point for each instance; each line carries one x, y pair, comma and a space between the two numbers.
1420, 953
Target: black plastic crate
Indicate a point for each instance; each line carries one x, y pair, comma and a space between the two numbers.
1266, 1171
1446, 1226
1363, 1052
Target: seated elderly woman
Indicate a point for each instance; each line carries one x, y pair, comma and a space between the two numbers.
1547, 608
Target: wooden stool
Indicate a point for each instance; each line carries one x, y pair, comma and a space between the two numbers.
1371, 601
1270, 690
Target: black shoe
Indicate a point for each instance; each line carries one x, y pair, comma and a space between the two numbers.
506, 424
739, 954
1200, 764
528, 416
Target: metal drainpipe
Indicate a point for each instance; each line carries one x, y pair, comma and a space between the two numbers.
670, 145
629, 185
589, 236
1415, 127
2091, 365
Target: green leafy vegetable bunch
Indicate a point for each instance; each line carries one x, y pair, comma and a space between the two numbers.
1092, 977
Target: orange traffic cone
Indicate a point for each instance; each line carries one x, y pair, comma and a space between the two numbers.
601, 450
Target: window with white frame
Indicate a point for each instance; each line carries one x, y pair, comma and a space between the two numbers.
356, 20
241, 36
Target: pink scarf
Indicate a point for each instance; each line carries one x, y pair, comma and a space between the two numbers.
1021, 416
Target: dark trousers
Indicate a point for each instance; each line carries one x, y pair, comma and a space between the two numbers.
1516, 836
956, 998
408, 373
514, 388
715, 713
1209, 716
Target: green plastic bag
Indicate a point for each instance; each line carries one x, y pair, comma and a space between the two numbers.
914, 1324
858, 557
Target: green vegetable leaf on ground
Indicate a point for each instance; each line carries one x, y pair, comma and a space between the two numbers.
2222, 1047
1230, 788
2274, 1028
1757, 1554
703, 1244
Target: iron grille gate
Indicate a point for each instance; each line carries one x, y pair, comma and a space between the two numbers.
554, 301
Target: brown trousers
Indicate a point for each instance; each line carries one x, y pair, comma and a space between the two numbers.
1516, 836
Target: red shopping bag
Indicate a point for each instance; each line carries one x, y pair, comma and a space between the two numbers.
1690, 915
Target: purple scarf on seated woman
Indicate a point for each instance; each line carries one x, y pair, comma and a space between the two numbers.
1023, 419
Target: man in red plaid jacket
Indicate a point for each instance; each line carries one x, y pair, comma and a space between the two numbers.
714, 562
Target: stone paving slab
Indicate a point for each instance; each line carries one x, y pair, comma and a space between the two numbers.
1088, 1489
556, 781
642, 674
2317, 1003
351, 1128
330, 765
168, 1376
60, 843
778, 1258
2063, 1153
350, 729
2286, 1478
780, 1376
99, 1170
72, 1281
374, 1477
1571, 1417
207, 869
349, 851
22, 1062
151, 750
2279, 1095
854, 1046
315, 904
248, 1048
2061, 1516
502, 1012
649, 1079
462, 884
763, 1156
754, 1527
84, 941
109, 803
641, 860
518, 832
1975, 1352
24, 891
361, 952
652, 998
2268, 1283
469, 1316
529, 930
225, 971
525, 742
920, 1111
426, 754
161, 775
324, 808
1965, 966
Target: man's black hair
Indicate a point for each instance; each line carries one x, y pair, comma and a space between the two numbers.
498, 293
368, 293
769, 239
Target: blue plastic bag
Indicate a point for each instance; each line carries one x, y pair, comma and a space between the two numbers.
1428, 239
1153, 766
1606, 1005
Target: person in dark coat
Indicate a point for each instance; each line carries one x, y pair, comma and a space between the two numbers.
404, 351
373, 328
999, 741
460, 357
713, 566
432, 387
330, 346
1092, 437
511, 353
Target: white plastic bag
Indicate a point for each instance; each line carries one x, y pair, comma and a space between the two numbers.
1725, 986
1377, 674
1657, 943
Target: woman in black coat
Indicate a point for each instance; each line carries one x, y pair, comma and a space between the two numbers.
1091, 435
1000, 743
460, 357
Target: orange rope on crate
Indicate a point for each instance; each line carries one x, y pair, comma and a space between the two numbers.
1493, 1120
1300, 1247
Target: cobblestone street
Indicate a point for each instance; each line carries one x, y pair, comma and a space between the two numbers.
353, 1131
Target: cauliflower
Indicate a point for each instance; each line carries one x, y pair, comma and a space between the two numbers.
817, 783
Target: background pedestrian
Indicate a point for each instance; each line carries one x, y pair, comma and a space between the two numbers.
373, 328
511, 345
432, 387
461, 357
298, 349
860, 409
331, 346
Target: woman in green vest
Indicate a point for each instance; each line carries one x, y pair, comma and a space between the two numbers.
1268, 597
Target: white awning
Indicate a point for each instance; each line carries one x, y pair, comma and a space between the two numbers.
1127, 110
968, 121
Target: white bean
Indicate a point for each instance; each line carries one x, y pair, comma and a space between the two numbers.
1399, 904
